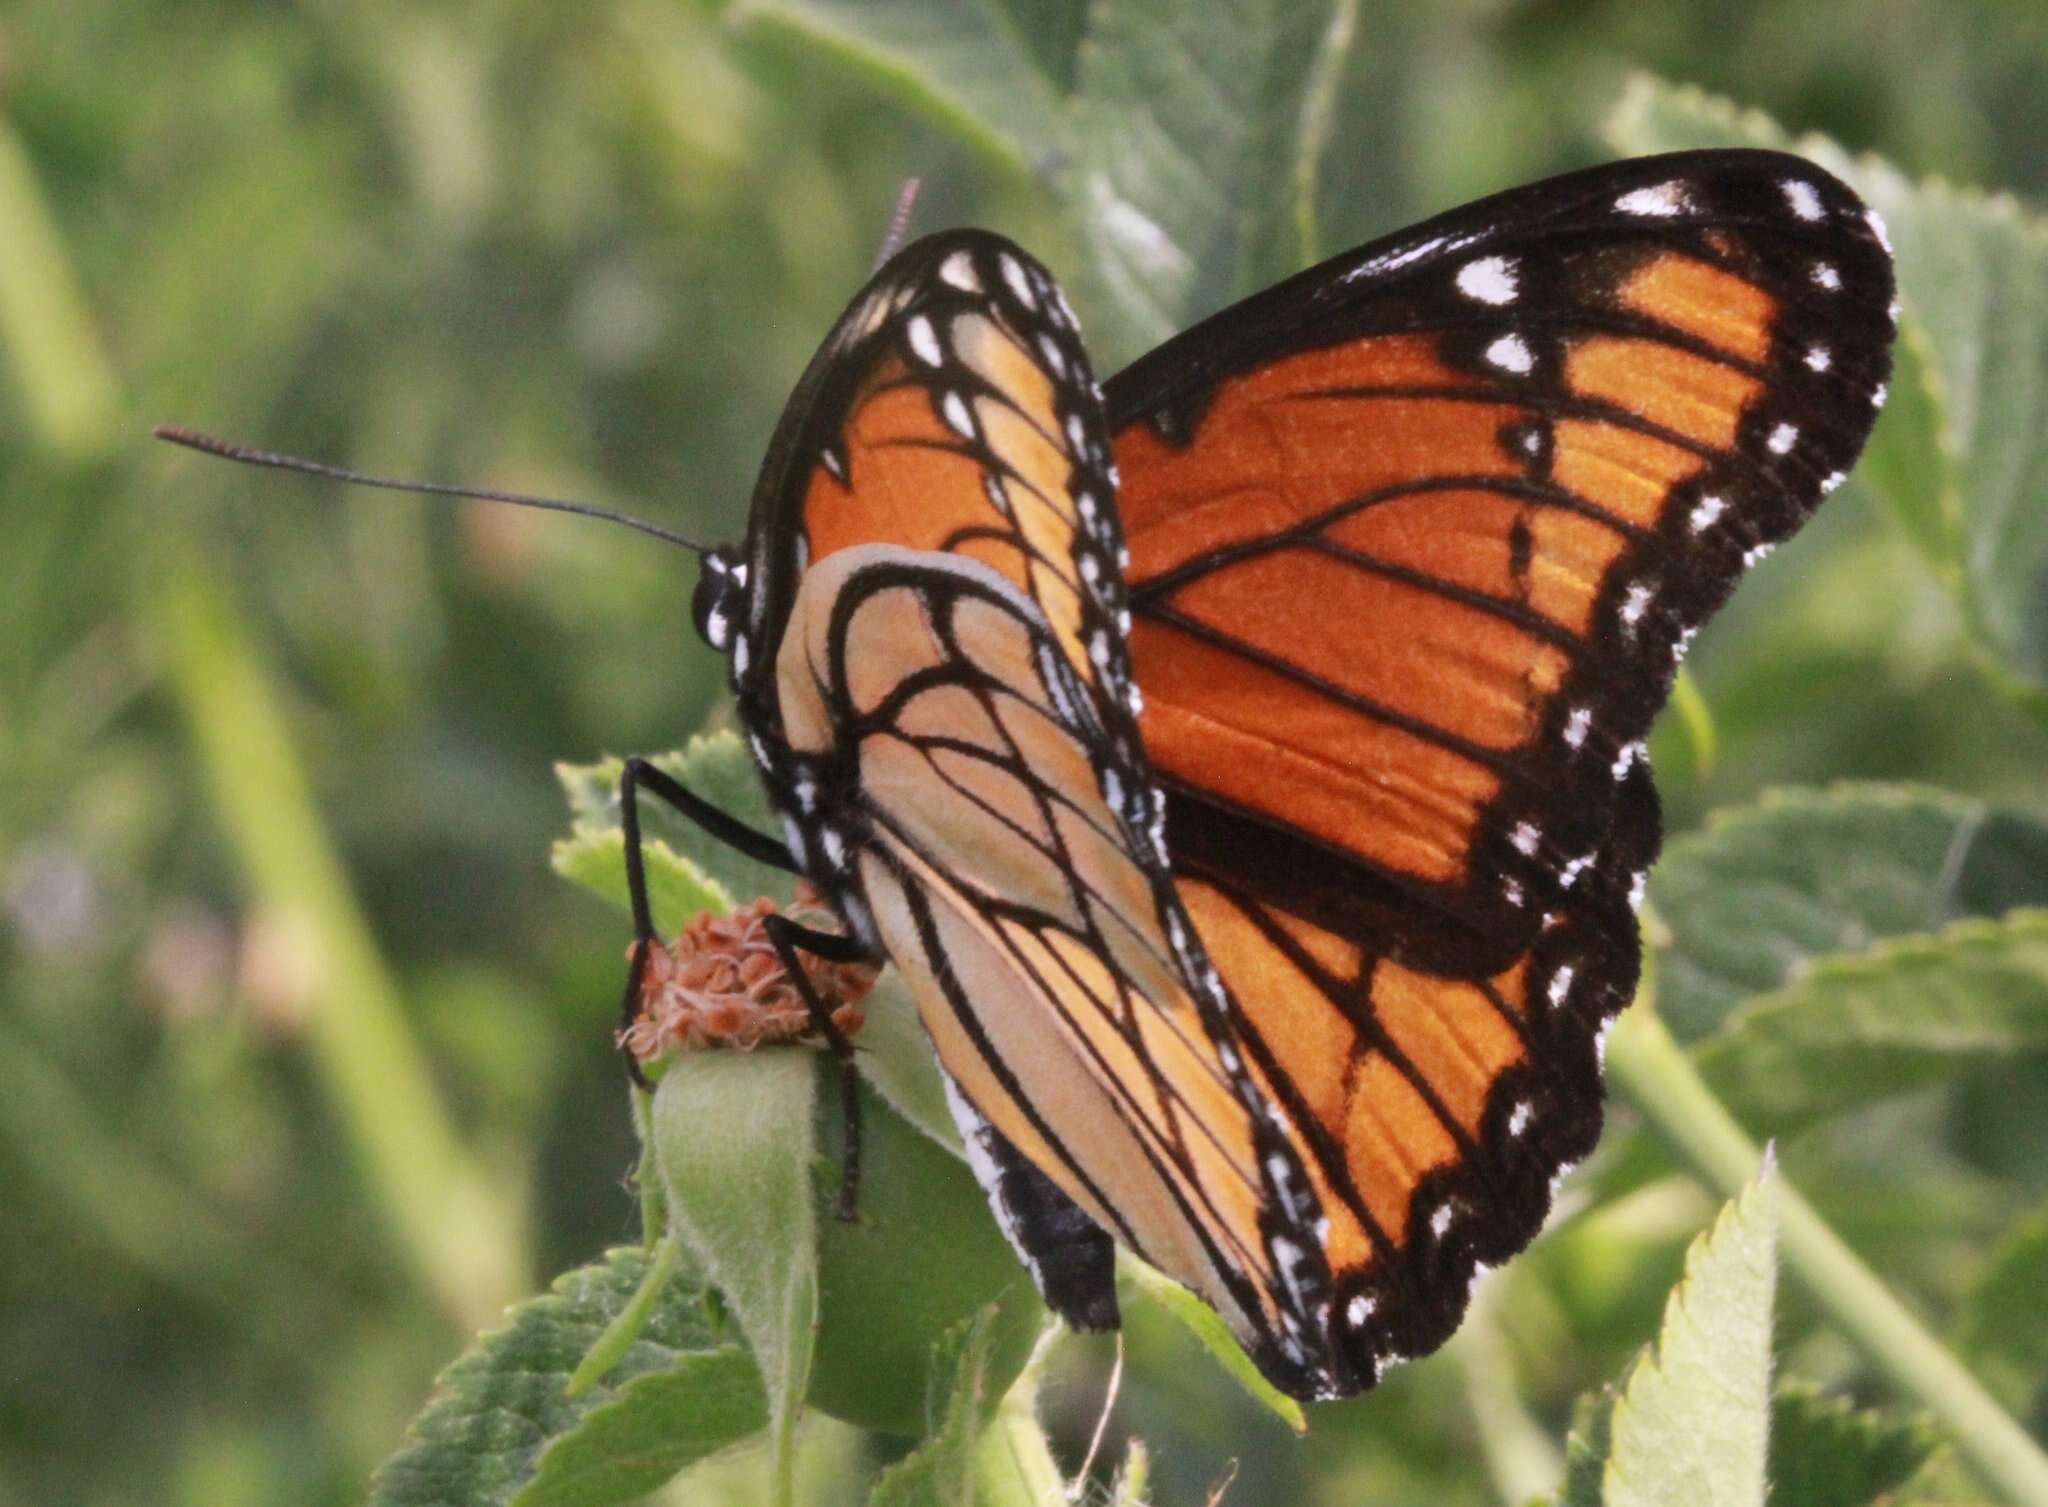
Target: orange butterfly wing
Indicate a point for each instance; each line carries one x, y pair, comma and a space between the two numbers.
1417, 540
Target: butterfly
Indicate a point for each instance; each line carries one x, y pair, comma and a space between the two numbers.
1242, 761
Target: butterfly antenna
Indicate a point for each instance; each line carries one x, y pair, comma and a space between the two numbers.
249, 455
899, 221
1116, 1380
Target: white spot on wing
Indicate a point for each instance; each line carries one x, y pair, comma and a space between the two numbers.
1638, 882
1818, 359
1055, 358
958, 269
1525, 837
1825, 276
1358, 1310
1511, 354
1659, 202
955, 409
1876, 223
1440, 1221
1710, 507
1833, 479
1560, 985
1576, 724
1782, 439
1518, 1118
1489, 279
1013, 274
1803, 197
1634, 605
924, 341
1756, 554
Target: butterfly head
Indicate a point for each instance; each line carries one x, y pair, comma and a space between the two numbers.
720, 602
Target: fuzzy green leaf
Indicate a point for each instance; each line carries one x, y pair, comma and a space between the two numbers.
941, 1471
1189, 124
966, 63
685, 864
654, 1426
2004, 1329
676, 888
1973, 278
1203, 1322
1689, 1424
1913, 1011
922, 1257
501, 1413
1750, 902
733, 1135
1826, 1453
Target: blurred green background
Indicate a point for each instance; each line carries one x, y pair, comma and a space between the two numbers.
304, 1051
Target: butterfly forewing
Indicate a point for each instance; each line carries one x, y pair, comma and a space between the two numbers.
1417, 541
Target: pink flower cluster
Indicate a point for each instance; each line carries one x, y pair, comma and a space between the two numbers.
721, 985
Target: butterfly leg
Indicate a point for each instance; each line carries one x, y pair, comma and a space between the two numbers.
787, 936
734, 834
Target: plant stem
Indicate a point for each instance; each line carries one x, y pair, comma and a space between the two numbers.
1519, 1454
465, 1239
1318, 110
67, 386
1656, 1076
609, 1347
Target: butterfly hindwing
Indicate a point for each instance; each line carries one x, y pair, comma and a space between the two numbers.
1418, 539
935, 668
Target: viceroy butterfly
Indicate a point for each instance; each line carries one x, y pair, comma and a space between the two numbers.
1243, 761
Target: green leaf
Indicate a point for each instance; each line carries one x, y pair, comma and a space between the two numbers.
1973, 277
1826, 1453
1189, 125
964, 62
1689, 1424
688, 870
1203, 1322
1912, 1012
922, 1257
2004, 1328
940, 1472
733, 1135
653, 1427
501, 1412
1750, 902
676, 888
